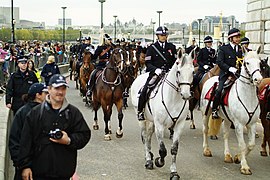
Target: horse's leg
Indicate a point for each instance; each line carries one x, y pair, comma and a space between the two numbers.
206, 149
147, 130
265, 129
95, 108
107, 111
119, 132
178, 129
226, 133
239, 130
251, 137
159, 130
192, 124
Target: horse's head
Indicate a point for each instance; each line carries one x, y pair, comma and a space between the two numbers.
265, 68
184, 74
118, 59
251, 67
87, 59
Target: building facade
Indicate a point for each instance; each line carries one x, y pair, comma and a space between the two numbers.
5, 16
258, 24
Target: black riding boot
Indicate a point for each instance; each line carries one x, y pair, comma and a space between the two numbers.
215, 107
91, 84
141, 103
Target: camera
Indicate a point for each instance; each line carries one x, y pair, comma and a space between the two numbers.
56, 134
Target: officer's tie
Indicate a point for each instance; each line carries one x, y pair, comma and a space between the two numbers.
163, 45
235, 49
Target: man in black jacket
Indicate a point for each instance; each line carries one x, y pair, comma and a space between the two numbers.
226, 60
53, 132
36, 95
18, 85
160, 57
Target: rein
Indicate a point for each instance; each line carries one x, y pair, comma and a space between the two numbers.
115, 83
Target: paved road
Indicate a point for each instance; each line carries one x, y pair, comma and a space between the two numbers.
121, 159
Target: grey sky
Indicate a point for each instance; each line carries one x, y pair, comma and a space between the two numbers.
87, 12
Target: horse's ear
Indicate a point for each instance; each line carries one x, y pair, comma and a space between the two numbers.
180, 53
259, 50
193, 52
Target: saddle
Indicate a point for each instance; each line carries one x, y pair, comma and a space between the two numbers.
225, 92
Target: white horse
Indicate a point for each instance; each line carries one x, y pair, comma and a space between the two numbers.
242, 110
167, 107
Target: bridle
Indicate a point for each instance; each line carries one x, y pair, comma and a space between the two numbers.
250, 75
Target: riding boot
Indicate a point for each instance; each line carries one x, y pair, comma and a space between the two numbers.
215, 108
141, 104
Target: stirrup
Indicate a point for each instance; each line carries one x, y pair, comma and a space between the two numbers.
141, 116
215, 114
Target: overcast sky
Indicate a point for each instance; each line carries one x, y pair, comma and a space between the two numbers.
87, 12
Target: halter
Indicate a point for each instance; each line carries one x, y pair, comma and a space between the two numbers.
249, 74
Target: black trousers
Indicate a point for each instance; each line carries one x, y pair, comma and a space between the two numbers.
18, 174
218, 92
143, 96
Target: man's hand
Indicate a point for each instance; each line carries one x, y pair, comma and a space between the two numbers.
64, 140
8, 106
158, 71
205, 67
233, 70
27, 174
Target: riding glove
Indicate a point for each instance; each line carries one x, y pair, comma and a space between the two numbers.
232, 70
205, 67
158, 71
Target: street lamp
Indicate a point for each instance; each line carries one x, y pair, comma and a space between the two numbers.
200, 20
153, 23
12, 24
229, 27
183, 37
159, 17
64, 23
115, 16
101, 2
80, 35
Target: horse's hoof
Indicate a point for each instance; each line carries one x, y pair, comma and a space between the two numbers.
187, 118
110, 131
257, 135
174, 176
237, 159
245, 171
158, 162
149, 164
107, 137
207, 153
96, 127
263, 153
213, 137
228, 158
120, 135
192, 126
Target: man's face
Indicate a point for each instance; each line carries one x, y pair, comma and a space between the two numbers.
57, 94
236, 40
87, 41
22, 66
209, 44
162, 37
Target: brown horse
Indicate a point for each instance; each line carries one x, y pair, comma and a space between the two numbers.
73, 60
85, 71
108, 90
197, 92
139, 66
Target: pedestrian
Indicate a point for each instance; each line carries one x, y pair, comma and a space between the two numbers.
18, 85
3, 54
160, 57
53, 132
31, 67
226, 60
36, 95
49, 69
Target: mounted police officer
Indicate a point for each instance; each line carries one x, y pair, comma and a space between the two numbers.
86, 46
245, 42
206, 60
227, 58
159, 58
102, 55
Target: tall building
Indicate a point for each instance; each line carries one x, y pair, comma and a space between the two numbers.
68, 22
258, 24
5, 15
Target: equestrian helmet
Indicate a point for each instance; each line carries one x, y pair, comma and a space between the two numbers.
162, 30
87, 38
208, 39
233, 32
245, 40
107, 37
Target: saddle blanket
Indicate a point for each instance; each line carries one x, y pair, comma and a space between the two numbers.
262, 94
225, 95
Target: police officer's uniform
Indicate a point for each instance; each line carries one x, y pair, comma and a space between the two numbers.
226, 60
155, 62
206, 60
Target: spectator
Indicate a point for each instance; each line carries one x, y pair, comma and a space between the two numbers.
49, 69
36, 95
31, 67
3, 54
53, 132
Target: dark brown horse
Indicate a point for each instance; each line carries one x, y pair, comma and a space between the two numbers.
108, 91
197, 92
85, 71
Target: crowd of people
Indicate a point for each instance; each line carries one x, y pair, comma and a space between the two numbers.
47, 130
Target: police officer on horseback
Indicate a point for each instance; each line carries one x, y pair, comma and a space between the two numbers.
159, 58
244, 43
86, 46
101, 55
206, 60
227, 59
